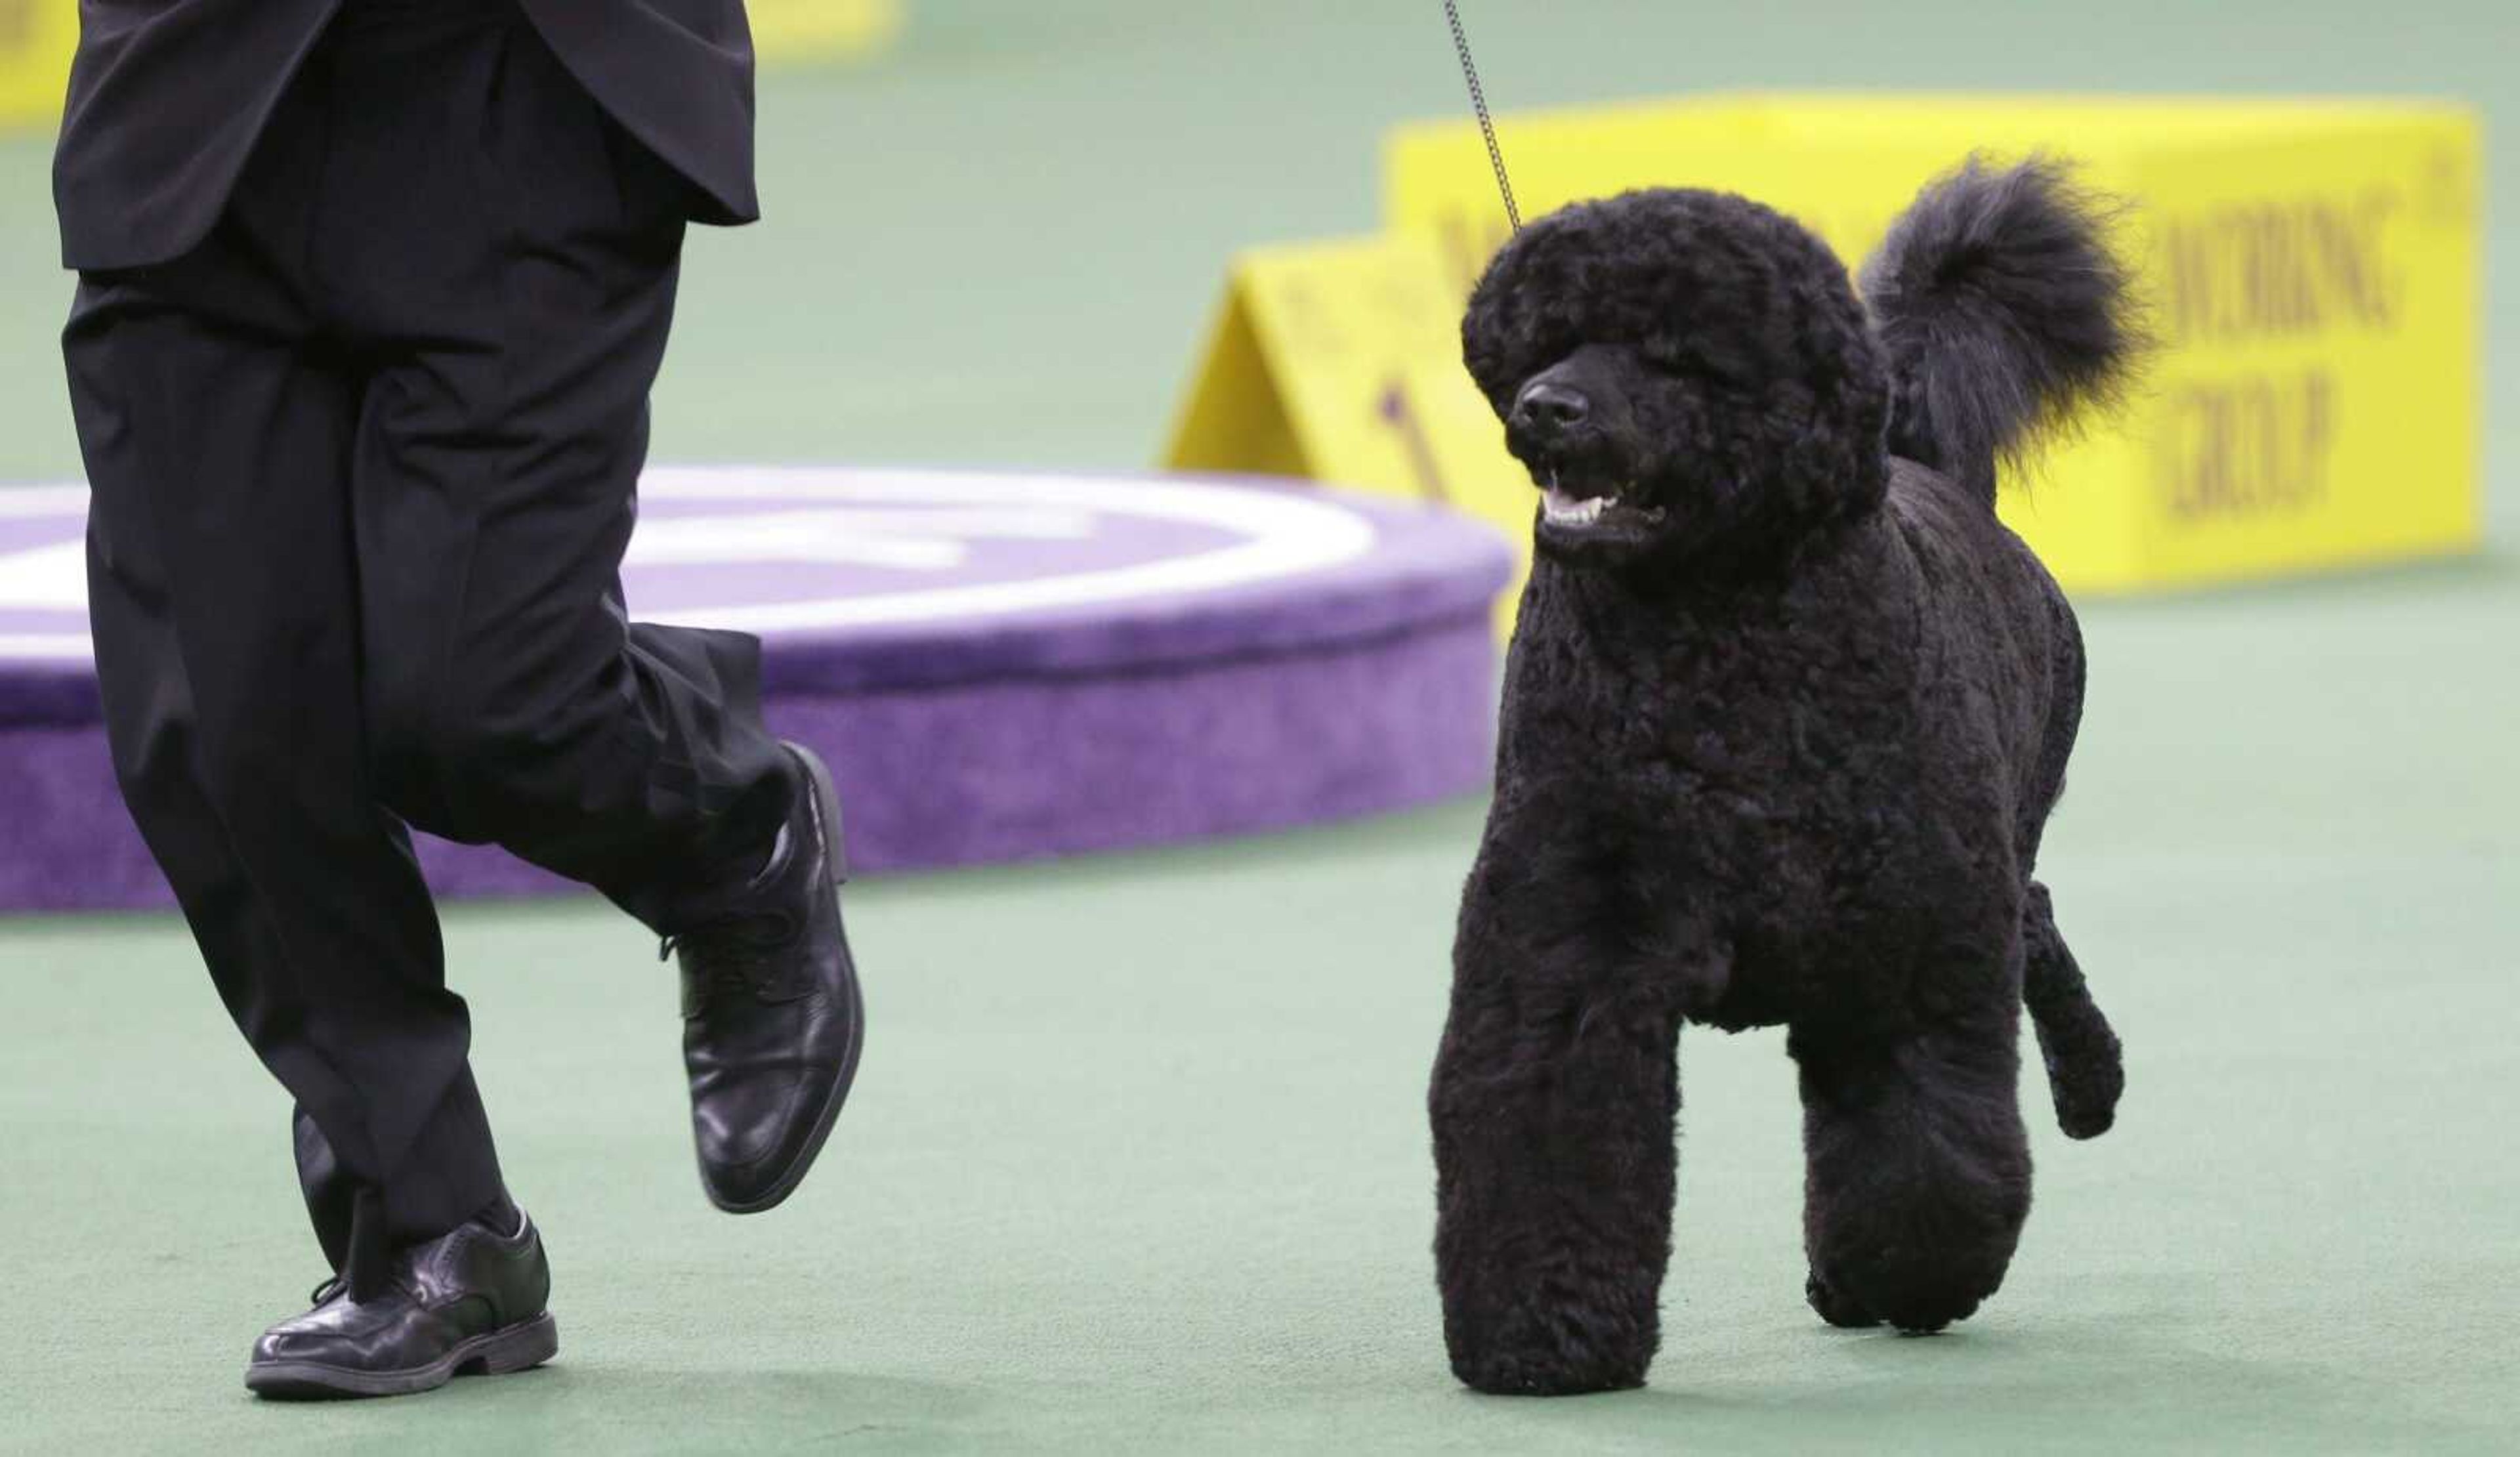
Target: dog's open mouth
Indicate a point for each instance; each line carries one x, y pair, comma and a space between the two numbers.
1584, 511
1564, 510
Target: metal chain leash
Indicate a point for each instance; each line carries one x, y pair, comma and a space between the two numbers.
1479, 102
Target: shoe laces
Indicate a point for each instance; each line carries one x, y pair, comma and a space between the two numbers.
339, 1285
741, 950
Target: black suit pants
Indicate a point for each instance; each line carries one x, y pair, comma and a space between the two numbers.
364, 468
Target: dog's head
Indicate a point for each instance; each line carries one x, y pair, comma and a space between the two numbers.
1687, 376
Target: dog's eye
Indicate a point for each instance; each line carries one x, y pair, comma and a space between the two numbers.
1663, 357
1711, 364
1683, 358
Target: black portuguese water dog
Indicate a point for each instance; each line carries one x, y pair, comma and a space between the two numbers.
1783, 715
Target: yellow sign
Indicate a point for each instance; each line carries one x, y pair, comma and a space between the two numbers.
786, 30
2313, 270
36, 38
1341, 361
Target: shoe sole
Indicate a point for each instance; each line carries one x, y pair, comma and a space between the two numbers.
517, 1347
827, 802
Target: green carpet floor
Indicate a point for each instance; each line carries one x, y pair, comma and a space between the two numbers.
1138, 1159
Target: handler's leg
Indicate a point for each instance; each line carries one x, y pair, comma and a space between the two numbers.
515, 280
225, 613
512, 699
1918, 1174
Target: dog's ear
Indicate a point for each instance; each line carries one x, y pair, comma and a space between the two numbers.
1821, 459
1862, 412
1826, 432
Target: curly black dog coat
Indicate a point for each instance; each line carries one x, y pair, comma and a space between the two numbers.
1784, 715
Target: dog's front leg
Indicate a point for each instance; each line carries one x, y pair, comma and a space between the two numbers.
1553, 1098
1918, 1174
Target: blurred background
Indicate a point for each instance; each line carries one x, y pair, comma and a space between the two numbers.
1139, 1157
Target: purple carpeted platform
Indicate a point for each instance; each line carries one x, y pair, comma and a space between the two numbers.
998, 666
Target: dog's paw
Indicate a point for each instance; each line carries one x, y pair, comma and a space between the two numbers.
1504, 1374
1836, 1308
1554, 1347
2086, 1095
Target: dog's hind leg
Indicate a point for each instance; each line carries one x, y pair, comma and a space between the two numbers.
1918, 1169
1553, 1098
2085, 1070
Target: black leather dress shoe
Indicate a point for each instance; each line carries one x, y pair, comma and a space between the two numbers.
469, 1302
771, 1014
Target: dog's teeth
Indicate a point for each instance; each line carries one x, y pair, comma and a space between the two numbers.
1565, 510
